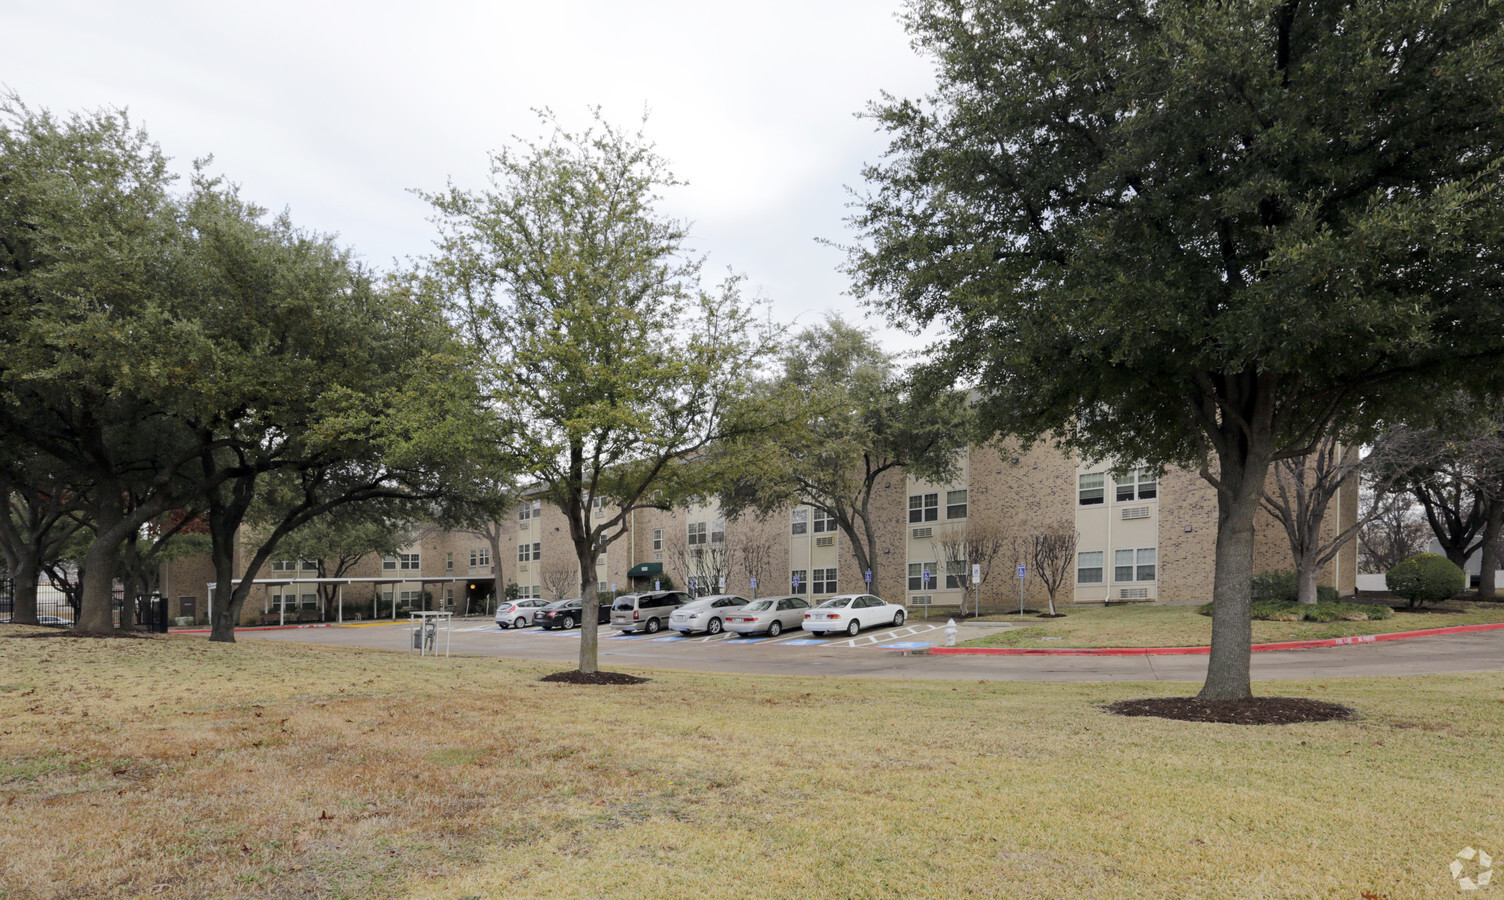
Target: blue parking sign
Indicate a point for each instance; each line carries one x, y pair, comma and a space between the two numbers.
1022, 572
869, 576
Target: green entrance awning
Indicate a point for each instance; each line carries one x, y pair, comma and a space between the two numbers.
644, 570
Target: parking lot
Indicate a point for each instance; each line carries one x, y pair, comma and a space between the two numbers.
910, 636
884, 653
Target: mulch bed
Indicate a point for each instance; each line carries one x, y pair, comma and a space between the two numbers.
575, 676
1254, 711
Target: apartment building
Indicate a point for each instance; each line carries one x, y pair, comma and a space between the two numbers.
1141, 537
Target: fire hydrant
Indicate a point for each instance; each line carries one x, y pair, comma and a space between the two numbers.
950, 633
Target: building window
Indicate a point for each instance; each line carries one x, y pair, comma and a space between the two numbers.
1093, 489
955, 574
449, 560
1146, 560
310, 565
955, 504
529, 552
657, 538
718, 531
1089, 567
389, 562
696, 534
287, 565
824, 581
310, 601
599, 504
408, 562
1139, 484
800, 519
1134, 565
799, 582
921, 576
480, 557
600, 560
824, 522
924, 507
530, 510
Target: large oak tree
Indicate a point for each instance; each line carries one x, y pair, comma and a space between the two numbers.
1197, 233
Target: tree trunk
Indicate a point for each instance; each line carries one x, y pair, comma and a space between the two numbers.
589, 613
102, 560
1305, 580
25, 573
226, 609
1489, 558
1227, 673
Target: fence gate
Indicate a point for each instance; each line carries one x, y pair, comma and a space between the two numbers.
151, 613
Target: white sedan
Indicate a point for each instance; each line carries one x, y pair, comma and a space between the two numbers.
851, 613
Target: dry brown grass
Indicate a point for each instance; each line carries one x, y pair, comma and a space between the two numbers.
176, 768
1153, 625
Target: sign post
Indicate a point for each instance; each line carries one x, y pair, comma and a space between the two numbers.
1023, 572
976, 586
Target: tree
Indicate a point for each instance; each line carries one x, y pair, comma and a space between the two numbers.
341, 539
701, 566
846, 418
609, 366
977, 543
756, 539
558, 578
1197, 234
1457, 475
1303, 489
41, 516
1392, 531
1054, 552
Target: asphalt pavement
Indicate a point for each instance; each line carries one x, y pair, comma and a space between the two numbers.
891, 653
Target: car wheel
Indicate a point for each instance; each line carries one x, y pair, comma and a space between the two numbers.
502, 625
854, 627
714, 627
775, 629
520, 623
898, 618
652, 626
568, 622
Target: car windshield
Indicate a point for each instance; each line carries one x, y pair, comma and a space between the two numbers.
835, 603
759, 605
557, 605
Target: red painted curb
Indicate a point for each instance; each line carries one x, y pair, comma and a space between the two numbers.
1194, 651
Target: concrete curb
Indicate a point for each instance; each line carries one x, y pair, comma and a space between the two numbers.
1193, 651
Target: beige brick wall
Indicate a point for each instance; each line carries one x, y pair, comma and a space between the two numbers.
1010, 491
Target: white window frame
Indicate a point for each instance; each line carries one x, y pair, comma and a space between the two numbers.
916, 575
823, 522
657, 538
1091, 561
1139, 484
1091, 489
799, 520
924, 508
951, 504
823, 581
695, 534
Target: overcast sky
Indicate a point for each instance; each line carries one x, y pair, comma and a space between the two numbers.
335, 110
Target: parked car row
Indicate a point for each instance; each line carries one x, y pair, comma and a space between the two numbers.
651, 611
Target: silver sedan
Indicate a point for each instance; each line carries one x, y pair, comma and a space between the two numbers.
774, 615
706, 614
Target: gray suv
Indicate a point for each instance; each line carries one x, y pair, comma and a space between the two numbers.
647, 611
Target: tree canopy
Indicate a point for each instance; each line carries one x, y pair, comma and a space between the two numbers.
609, 365
1197, 233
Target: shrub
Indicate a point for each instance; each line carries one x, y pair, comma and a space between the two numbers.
1425, 578
1275, 586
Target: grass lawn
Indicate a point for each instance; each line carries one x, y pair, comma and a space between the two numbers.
170, 767
1151, 625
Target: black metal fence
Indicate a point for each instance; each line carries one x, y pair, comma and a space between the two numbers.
53, 607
